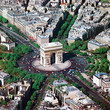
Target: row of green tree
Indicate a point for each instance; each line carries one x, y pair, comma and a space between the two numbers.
38, 79
59, 24
16, 30
65, 28
101, 50
83, 79
75, 47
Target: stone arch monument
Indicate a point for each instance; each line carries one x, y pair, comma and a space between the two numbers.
51, 53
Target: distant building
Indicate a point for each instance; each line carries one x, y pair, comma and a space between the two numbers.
93, 45
50, 101
5, 40
41, 39
72, 39
59, 82
19, 91
4, 77
102, 80
65, 108
108, 55
72, 97
104, 36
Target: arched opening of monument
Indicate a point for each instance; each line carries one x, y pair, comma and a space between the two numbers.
53, 58
42, 60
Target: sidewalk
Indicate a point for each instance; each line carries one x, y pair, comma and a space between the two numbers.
86, 77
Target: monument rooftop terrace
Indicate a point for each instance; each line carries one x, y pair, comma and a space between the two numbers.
49, 46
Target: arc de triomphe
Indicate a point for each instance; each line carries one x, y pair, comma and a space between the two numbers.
51, 53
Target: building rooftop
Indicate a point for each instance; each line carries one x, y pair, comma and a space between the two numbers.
108, 52
100, 74
3, 34
3, 74
43, 36
59, 82
93, 41
71, 89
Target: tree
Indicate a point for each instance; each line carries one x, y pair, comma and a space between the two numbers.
76, 85
69, 18
3, 47
91, 67
60, 33
65, 15
1, 18
83, 90
89, 84
94, 88
101, 50
29, 103
32, 98
108, 98
34, 94
106, 67
22, 49
3, 102
86, 67
13, 27
27, 108
4, 20
54, 40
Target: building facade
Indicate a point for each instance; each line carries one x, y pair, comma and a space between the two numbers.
102, 80
93, 45
4, 77
5, 40
108, 55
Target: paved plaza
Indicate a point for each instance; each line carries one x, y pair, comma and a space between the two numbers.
54, 67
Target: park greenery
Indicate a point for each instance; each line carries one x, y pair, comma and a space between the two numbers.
3, 48
104, 0
97, 62
101, 50
8, 64
3, 20
75, 47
